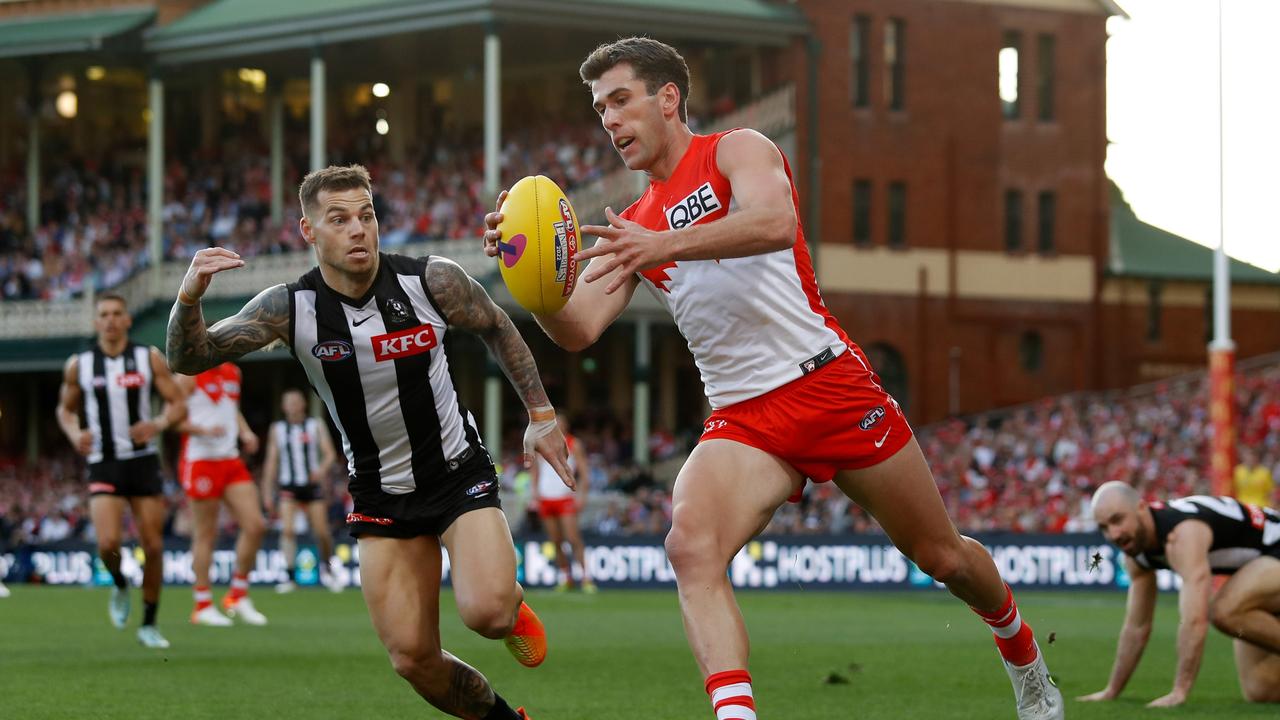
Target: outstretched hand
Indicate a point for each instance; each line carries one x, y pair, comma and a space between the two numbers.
544, 438
206, 263
633, 247
491, 232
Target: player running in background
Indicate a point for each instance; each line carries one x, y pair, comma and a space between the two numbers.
716, 239
1197, 537
558, 508
109, 387
299, 456
213, 473
368, 329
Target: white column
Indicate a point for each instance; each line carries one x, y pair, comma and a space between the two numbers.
640, 413
275, 107
33, 169
318, 139
155, 179
492, 110
493, 410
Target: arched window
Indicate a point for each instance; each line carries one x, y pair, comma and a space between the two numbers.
892, 369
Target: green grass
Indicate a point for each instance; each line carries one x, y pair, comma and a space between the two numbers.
615, 655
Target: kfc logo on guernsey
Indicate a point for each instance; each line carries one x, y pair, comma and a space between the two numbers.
697, 205
131, 380
404, 343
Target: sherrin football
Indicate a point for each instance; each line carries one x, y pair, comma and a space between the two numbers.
539, 239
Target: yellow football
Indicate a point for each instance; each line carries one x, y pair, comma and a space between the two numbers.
539, 239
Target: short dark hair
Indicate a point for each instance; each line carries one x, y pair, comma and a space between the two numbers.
332, 178
653, 61
108, 295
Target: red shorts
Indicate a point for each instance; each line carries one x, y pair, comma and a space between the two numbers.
208, 479
557, 508
835, 418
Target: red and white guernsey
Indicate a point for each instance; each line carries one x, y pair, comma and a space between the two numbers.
215, 402
753, 323
550, 486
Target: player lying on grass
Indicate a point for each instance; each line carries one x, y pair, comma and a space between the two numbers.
1197, 537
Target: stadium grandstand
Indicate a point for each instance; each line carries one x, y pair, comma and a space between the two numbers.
1041, 337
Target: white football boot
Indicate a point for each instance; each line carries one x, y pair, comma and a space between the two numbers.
286, 587
4, 591
118, 607
331, 582
1038, 698
211, 617
150, 637
244, 611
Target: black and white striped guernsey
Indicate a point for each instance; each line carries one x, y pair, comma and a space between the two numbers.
299, 449
379, 364
1241, 532
117, 394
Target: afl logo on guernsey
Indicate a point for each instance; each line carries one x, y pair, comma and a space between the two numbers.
696, 205
332, 350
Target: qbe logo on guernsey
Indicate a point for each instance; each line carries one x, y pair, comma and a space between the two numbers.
695, 206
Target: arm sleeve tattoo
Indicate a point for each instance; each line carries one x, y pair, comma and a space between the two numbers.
191, 348
466, 305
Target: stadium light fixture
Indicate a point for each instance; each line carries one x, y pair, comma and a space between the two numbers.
381, 90
382, 126
95, 72
67, 104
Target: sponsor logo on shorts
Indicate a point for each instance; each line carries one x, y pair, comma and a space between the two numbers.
332, 350
404, 343
872, 418
131, 380
512, 249
695, 206
361, 517
713, 425
480, 489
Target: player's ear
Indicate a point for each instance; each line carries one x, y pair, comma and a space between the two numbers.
669, 97
308, 232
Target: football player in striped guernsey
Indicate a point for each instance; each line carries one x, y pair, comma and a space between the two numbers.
1197, 537
368, 328
299, 455
109, 387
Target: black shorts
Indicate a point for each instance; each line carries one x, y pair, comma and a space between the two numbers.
426, 510
302, 493
135, 477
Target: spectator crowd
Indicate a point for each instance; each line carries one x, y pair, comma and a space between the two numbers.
92, 232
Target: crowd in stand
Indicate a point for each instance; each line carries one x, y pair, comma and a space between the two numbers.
1029, 470
92, 231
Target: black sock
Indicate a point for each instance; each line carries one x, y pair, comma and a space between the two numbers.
501, 710
149, 612
118, 577
290, 571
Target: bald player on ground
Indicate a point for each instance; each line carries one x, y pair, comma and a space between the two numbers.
1197, 537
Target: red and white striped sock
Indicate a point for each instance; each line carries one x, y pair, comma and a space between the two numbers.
239, 587
1014, 639
204, 597
731, 697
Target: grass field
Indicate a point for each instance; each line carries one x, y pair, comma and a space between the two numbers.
618, 654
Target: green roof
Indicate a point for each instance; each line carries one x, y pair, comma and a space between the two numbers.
1142, 250
67, 33
230, 28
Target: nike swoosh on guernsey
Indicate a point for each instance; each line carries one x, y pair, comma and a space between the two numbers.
880, 442
359, 322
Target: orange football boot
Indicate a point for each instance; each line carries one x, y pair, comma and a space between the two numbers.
528, 639
523, 715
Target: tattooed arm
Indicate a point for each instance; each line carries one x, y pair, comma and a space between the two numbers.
192, 348
466, 305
